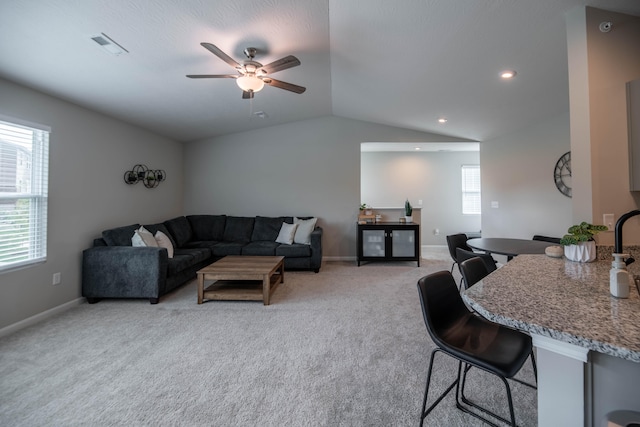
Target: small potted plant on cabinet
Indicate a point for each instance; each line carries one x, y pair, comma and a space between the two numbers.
365, 209
578, 242
408, 211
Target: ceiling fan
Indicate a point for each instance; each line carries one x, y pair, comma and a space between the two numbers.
252, 75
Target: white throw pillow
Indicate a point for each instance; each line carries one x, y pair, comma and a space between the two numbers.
142, 237
305, 227
287, 232
164, 242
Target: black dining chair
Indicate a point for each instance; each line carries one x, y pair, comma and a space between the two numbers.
487, 259
473, 270
455, 241
555, 240
472, 340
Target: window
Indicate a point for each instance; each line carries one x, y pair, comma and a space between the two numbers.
471, 190
24, 161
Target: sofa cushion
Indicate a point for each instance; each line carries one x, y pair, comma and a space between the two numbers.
178, 263
180, 230
287, 233
197, 254
238, 229
303, 232
227, 248
143, 238
120, 236
260, 248
164, 242
267, 228
209, 244
207, 227
297, 250
154, 228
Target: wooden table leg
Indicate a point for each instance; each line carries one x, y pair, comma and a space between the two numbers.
266, 289
282, 272
200, 288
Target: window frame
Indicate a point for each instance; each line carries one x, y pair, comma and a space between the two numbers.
471, 193
25, 246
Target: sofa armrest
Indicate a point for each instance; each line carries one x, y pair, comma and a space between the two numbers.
316, 248
124, 272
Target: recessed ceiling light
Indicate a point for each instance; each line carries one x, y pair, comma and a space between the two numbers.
507, 74
442, 120
417, 148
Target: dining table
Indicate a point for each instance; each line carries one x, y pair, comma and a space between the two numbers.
509, 247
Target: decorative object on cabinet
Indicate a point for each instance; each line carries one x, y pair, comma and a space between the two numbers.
389, 241
149, 177
562, 174
366, 214
408, 211
578, 242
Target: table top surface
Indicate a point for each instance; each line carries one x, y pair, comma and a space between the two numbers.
243, 264
564, 300
509, 247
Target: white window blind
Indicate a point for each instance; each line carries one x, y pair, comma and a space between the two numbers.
471, 190
24, 173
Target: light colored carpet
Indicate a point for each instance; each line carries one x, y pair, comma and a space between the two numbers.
345, 347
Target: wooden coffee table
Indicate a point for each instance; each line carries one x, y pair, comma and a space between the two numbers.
245, 278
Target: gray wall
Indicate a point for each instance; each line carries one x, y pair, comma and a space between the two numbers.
88, 155
517, 172
388, 178
310, 167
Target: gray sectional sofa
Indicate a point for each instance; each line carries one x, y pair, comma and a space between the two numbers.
113, 268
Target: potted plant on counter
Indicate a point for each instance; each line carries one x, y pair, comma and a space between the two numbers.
408, 211
578, 242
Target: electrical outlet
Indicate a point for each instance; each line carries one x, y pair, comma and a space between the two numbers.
608, 220
436, 232
56, 278
495, 205
420, 202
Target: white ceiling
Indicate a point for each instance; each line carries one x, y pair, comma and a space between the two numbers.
401, 63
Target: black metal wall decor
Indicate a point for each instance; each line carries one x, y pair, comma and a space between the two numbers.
149, 177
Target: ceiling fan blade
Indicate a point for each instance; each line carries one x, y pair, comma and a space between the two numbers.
284, 85
247, 94
281, 64
213, 76
220, 54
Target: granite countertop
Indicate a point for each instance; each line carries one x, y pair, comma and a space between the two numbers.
565, 300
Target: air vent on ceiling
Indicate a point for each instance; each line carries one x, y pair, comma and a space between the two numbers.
108, 44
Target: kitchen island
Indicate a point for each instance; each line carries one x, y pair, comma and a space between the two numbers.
587, 341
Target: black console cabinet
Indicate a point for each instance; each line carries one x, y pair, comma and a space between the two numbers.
389, 241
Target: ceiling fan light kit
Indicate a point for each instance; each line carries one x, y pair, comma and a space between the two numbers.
252, 75
250, 83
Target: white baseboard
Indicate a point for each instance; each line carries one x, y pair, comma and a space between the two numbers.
40, 317
339, 258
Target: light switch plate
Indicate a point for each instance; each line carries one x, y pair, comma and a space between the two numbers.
609, 220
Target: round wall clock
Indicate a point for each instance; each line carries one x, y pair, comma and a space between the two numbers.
562, 174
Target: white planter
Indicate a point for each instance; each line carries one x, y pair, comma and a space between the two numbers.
408, 218
582, 252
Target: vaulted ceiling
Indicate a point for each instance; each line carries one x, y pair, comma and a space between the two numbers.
401, 63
